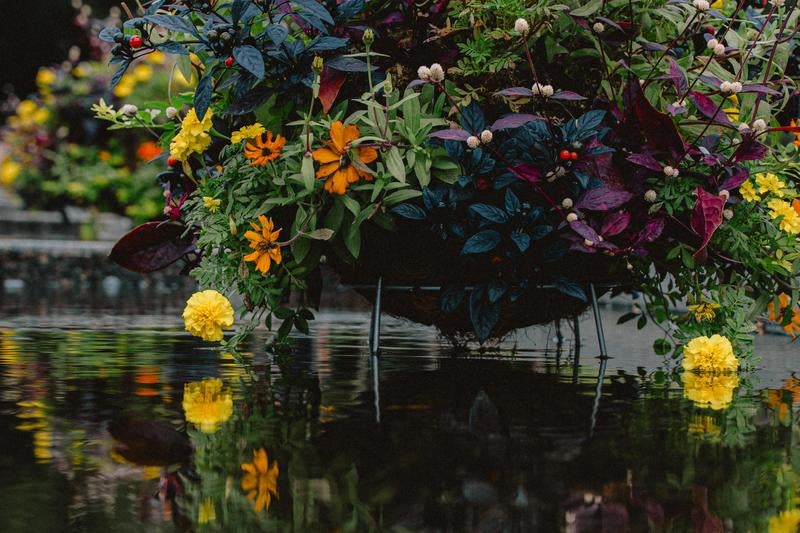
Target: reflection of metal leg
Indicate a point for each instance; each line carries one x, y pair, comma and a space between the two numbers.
598, 391
376, 385
598, 323
375, 322
576, 327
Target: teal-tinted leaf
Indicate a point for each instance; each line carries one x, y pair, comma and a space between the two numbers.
570, 288
490, 213
250, 59
410, 211
483, 241
202, 95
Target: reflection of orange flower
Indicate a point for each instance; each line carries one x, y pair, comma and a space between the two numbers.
793, 327
264, 149
261, 480
337, 162
148, 150
264, 242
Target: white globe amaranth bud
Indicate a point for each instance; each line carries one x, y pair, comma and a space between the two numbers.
473, 142
566, 203
521, 26
589, 243
542, 90
437, 73
719, 49
668, 170
724, 194
743, 127
701, 5
599, 27
171, 112
778, 3
129, 110
736, 87
725, 86
629, 266
572, 217
486, 136
727, 213
760, 125
712, 43
424, 73
650, 196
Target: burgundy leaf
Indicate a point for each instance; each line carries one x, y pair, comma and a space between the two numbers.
707, 107
707, 217
151, 246
646, 161
615, 223
527, 172
516, 91
651, 231
760, 89
609, 22
733, 181
330, 84
585, 231
513, 121
749, 150
603, 199
567, 95
658, 127
581, 247
454, 134
678, 77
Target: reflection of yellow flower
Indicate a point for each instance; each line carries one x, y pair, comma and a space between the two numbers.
786, 522
206, 314
790, 219
704, 426
704, 311
710, 390
264, 242
207, 404
793, 327
207, 513
9, 170
770, 183
247, 133
261, 480
715, 354
193, 137
211, 203
748, 192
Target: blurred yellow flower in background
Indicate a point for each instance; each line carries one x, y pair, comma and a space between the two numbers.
9, 170
142, 72
261, 480
207, 404
46, 77
125, 86
786, 522
714, 354
206, 314
714, 391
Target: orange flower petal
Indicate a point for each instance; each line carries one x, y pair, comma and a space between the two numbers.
325, 155
251, 258
351, 133
337, 136
367, 154
263, 267
326, 170
352, 174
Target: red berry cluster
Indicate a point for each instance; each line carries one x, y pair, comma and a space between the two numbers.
566, 155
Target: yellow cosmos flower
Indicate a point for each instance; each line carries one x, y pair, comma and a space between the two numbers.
247, 133
9, 171
770, 183
748, 192
261, 480
715, 354
211, 203
45, 77
207, 513
206, 314
264, 242
714, 391
193, 137
207, 404
338, 157
786, 522
790, 219
704, 311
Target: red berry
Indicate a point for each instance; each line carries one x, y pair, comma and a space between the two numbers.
565, 155
172, 162
136, 42
710, 29
229, 62
497, 260
574, 156
481, 184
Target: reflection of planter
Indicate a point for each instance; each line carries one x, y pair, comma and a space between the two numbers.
413, 257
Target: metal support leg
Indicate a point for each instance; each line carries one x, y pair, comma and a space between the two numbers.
598, 323
576, 327
375, 322
376, 385
598, 391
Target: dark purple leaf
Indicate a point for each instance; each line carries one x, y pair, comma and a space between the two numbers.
658, 127
760, 89
615, 223
454, 134
708, 108
567, 95
585, 231
516, 91
711, 80
674, 110
527, 172
749, 150
707, 217
654, 47
651, 231
733, 181
609, 22
646, 161
678, 77
513, 121
603, 199
151, 246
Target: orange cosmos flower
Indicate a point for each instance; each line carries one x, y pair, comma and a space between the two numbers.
336, 159
264, 242
264, 149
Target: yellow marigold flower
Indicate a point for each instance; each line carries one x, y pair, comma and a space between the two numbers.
704, 311
193, 137
46, 77
718, 4
207, 404
261, 480
207, 512
142, 72
206, 314
770, 183
714, 391
264, 242
733, 111
786, 522
9, 171
336, 159
715, 354
790, 219
211, 203
793, 327
248, 132
748, 192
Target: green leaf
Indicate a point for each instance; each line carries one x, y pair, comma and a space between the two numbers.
587, 9
322, 234
394, 164
351, 205
401, 196
308, 172
661, 346
422, 169
352, 240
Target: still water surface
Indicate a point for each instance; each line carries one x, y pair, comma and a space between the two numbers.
112, 419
